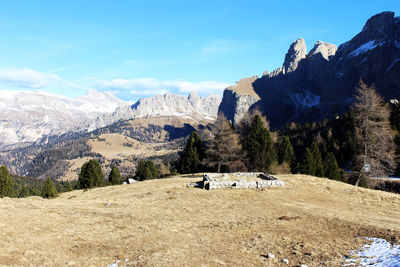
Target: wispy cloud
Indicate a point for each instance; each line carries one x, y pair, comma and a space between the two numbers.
27, 78
218, 47
60, 69
148, 86
157, 63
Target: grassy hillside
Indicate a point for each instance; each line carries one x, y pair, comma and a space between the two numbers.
311, 221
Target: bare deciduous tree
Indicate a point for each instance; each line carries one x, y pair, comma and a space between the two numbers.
223, 147
374, 136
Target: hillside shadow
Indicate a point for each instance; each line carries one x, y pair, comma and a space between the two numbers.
178, 132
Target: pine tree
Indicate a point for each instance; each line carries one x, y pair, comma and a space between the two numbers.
374, 137
6, 183
91, 175
307, 164
115, 176
49, 190
285, 151
146, 170
331, 167
192, 156
69, 186
319, 167
23, 192
259, 147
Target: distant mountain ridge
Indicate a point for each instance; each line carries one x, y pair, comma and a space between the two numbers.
27, 117
316, 85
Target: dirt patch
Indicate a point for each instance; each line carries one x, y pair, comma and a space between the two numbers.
168, 223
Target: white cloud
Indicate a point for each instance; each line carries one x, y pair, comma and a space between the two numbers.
148, 86
26, 78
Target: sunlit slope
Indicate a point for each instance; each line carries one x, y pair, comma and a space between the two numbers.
311, 221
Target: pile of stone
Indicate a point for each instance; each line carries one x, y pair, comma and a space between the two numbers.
255, 180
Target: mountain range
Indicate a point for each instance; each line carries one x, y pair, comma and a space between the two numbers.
318, 84
27, 117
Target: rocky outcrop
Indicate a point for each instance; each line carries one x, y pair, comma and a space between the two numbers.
316, 86
325, 50
243, 97
297, 52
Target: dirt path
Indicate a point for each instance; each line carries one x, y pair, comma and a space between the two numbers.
312, 221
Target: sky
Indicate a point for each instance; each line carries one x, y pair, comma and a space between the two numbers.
136, 49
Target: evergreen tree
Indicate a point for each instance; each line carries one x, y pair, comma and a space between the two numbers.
115, 176
307, 164
285, 151
49, 190
23, 192
69, 186
91, 175
259, 147
331, 167
192, 156
6, 183
146, 170
319, 167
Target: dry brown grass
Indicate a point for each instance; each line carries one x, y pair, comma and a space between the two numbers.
166, 223
115, 146
245, 87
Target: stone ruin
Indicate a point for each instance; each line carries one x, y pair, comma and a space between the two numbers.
255, 180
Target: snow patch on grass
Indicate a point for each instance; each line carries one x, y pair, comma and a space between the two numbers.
378, 253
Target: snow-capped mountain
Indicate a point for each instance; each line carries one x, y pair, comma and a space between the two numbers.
26, 116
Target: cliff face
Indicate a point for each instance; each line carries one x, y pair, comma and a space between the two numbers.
321, 83
242, 96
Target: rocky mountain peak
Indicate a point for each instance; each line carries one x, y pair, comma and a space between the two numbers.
297, 51
193, 96
379, 24
325, 49
322, 83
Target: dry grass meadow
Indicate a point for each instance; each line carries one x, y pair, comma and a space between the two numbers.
312, 221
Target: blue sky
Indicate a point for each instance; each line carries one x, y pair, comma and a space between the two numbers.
140, 48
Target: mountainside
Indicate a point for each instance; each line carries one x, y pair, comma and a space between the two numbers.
120, 144
321, 83
168, 105
27, 117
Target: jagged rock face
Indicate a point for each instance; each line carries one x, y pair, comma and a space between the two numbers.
243, 96
316, 86
325, 50
170, 104
297, 51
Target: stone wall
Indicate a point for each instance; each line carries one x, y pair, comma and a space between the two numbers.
240, 180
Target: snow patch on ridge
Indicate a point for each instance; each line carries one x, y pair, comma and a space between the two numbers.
305, 99
379, 253
366, 47
393, 63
